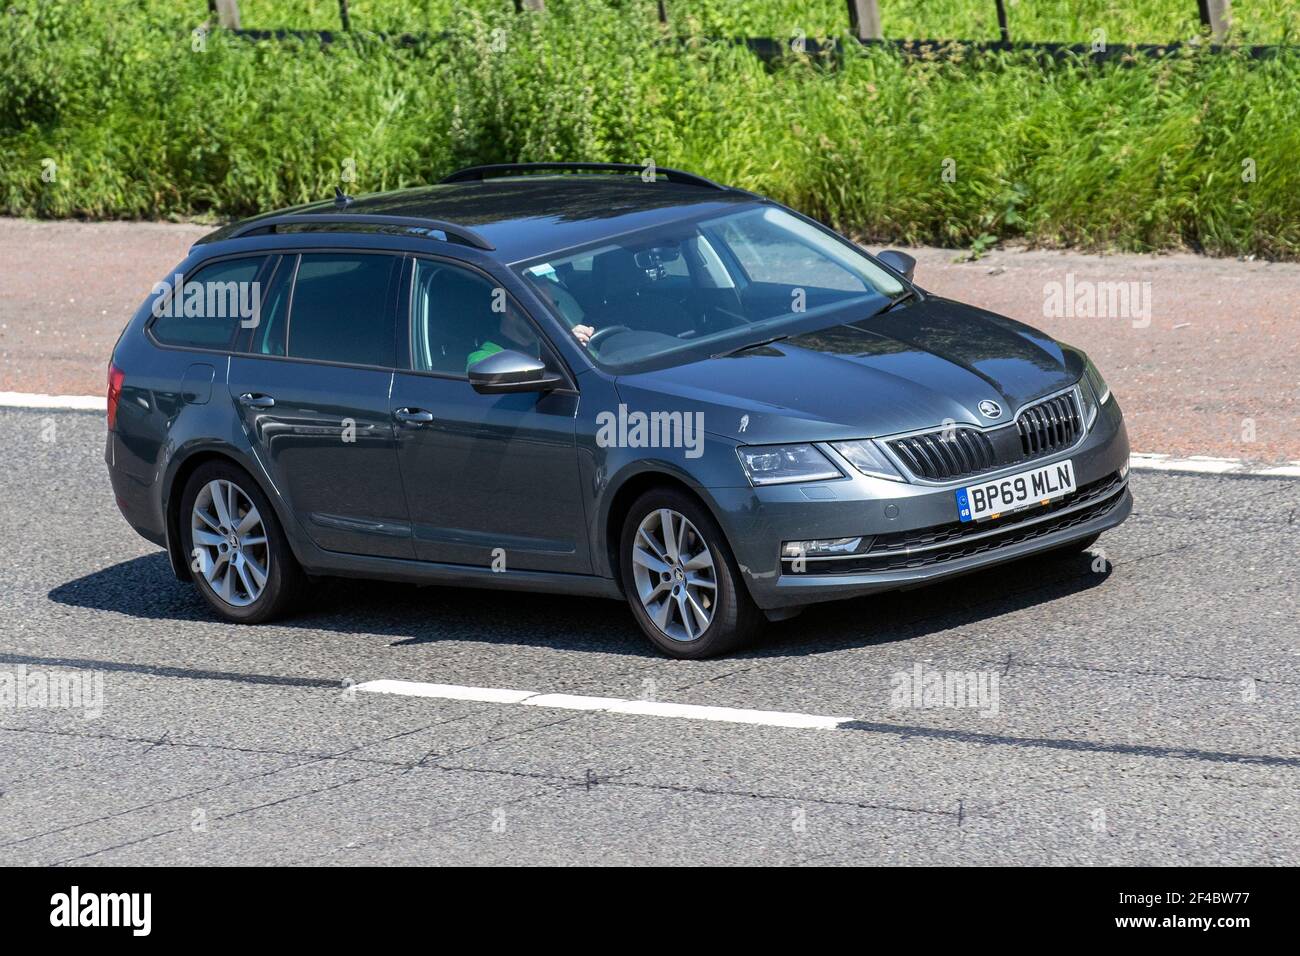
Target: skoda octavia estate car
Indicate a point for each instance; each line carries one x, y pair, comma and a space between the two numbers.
566, 378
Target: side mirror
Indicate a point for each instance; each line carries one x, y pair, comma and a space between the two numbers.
511, 371
900, 262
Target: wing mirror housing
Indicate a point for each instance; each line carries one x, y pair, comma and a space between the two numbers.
900, 262
511, 371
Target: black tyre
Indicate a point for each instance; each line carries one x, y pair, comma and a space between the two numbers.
681, 580
237, 552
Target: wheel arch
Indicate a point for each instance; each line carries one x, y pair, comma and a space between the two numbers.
626, 494
182, 469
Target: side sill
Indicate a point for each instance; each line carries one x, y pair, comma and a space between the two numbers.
463, 575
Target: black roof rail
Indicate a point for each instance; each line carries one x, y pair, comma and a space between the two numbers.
453, 232
479, 173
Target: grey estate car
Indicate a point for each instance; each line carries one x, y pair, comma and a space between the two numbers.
573, 378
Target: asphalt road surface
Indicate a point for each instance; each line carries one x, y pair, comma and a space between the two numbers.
1147, 707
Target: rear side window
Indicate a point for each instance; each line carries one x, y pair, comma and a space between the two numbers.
207, 309
341, 309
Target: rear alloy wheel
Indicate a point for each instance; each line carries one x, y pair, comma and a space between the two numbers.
680, 578
237, 553
230, 550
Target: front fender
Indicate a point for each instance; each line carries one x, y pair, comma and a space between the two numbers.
615, 475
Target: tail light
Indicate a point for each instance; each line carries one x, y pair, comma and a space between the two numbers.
115, 376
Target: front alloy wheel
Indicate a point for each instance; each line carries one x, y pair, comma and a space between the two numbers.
680, 578
674, 575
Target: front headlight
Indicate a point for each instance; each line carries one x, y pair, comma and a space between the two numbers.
1099, 386
1096, 392
867, 458
778, 464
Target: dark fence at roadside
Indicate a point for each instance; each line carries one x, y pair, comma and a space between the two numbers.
771, 49
864, 29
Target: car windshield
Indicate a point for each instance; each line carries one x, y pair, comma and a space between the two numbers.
679, 292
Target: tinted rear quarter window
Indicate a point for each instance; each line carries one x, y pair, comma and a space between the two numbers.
341, 310
211, 305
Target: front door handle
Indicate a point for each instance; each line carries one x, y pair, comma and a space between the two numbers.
256, 400
413, 416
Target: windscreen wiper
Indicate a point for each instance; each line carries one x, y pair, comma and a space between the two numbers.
896, 300
751, 345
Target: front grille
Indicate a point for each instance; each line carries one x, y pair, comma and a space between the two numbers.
923, 547
953, 453
1049, 426
948, 454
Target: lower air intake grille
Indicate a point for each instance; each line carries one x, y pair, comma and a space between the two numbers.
926, 547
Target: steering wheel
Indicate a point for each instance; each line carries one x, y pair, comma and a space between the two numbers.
603, 334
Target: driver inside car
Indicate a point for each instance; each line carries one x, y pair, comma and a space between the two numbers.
563, 302
515, 333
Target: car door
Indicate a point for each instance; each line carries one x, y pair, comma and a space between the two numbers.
311, 384
491, 480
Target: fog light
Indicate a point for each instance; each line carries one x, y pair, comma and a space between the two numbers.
1123, 471
808, 549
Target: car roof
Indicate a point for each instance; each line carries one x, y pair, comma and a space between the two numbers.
524, 217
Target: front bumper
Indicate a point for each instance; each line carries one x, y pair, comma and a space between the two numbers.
917, 535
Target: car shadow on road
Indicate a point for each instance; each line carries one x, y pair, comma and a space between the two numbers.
146, 588
971, 599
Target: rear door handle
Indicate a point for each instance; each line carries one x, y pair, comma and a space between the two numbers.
413, 416
256, 400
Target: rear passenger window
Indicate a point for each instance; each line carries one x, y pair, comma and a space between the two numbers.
341, 310
210, 306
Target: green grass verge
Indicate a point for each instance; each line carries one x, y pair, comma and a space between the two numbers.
111, 98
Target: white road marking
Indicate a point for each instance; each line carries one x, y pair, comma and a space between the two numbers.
408, 688
1193, 464
1209, 465
609, 705
1203, 464
93, 403
1282, 471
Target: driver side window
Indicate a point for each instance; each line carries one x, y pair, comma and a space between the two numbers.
459, 317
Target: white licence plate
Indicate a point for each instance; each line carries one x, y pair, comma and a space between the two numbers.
1025, 489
